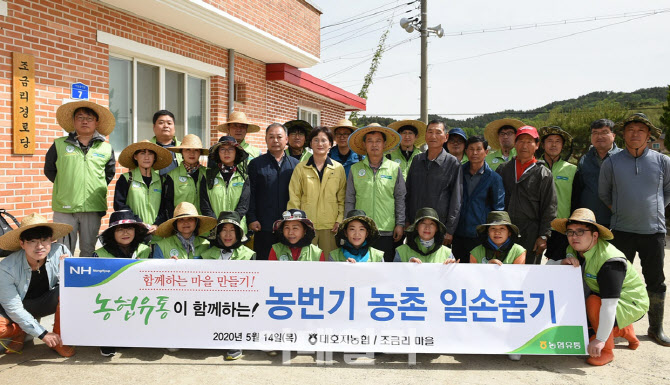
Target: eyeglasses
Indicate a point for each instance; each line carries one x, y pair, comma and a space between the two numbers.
506, 133
601, 133
316, 140
297, 133
83, 118
36, 242
227, 150
125, 229
342, 134
578, 232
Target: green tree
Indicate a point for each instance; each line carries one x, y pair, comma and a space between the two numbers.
665, 120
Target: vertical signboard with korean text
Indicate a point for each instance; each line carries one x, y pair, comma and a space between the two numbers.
23, 103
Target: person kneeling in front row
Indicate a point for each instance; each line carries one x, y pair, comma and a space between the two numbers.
29, 283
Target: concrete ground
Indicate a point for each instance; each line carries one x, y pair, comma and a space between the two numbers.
650, 364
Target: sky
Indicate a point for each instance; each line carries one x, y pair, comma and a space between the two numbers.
577, 47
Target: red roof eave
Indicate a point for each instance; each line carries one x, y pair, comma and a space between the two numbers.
292, 75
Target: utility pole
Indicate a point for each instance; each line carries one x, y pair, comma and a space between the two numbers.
424, 61
410, 25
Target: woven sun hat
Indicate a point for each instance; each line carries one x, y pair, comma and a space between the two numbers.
65, 116
292, 215
581, 216
11, 240
344, 123
191, 142
640, 118
238, 117
427, 213
419, 129
556, 130
491, 130
163, 156
357, 215
498, 218
186, 210
357, 145
126, 218
298, 124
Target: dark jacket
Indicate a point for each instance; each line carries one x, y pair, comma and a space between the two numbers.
269, 188
347, 161
488, 195
435, 184
531, 202
585, 186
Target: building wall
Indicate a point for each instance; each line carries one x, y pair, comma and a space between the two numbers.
62, 37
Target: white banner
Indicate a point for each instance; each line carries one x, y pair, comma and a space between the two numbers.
363, 307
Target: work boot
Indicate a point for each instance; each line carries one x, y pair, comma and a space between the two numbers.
593, 304
656, 308
63, 350
11, 336
629, 334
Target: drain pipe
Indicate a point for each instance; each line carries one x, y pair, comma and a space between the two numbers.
231, 82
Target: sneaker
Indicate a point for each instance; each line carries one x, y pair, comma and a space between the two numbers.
515, 357
107, 351
232, 355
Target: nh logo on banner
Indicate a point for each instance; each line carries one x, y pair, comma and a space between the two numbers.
80, 270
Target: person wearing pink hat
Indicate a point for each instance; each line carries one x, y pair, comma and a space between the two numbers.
530, 194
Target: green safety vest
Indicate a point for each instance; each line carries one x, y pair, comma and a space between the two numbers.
438, 256
171, 247
224, 197
305, 154
145, 201
142, 252
185, 188
465, 159
177, 155
397, 156
634, 301
495, 158
310, 253
81, 182
564, 175
374, 192
241, 253
251, 150
515, 251
375, 255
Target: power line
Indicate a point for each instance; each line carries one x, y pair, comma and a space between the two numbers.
346, 39
346, 21
498, 112
384, 19
540, 42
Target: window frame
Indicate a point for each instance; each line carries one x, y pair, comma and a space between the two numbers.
313, 111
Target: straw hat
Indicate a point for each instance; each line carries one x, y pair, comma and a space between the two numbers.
582, 216
238, 117
11, 240
641, 118
191, 142
357, 215
65, 116
420, 128
498, 218
344, 123
163, 156
186, 210
357, 145
491, 130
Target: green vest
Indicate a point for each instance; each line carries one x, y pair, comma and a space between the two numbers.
495, 158
397, 156
251, 150
81, 184
438, 256
634, 301
171, 247
145, 201
310, 253
185, 188
479, 253
241, 253
374, 193
142, 252
305, 154
465, 159
375, 255
224, 197
177, 155
564, 175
